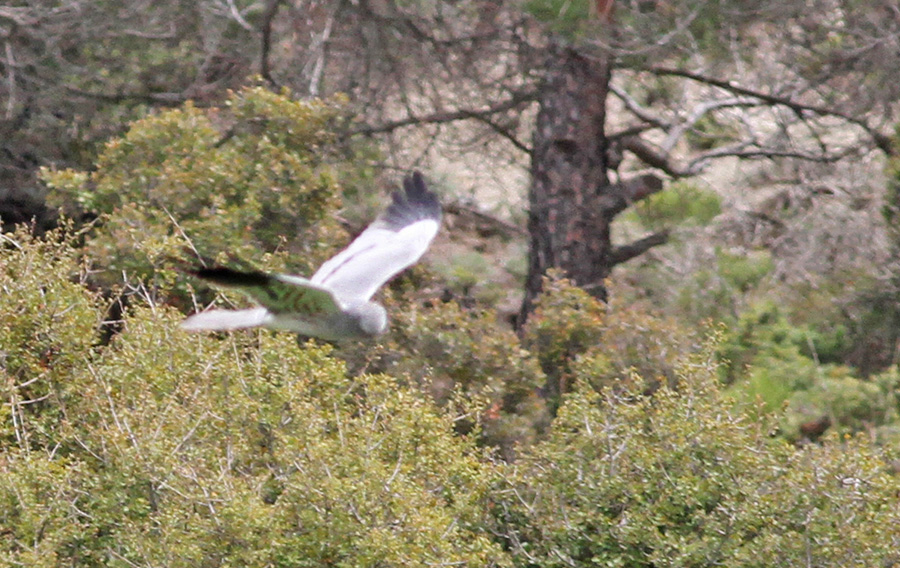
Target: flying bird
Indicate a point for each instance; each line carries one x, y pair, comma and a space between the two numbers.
335, 303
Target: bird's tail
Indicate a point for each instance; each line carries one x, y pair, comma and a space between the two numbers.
224, 320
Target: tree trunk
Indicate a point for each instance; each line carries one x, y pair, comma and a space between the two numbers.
568, 172
571, 200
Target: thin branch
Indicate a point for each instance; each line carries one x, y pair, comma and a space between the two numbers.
504, 133
265, 70
147, 34
698, 113
165, 99
320, 46
652, 156
11, 81
629, 131
238, 17
168, 99
21, 16
625, 253
637, 109
441, 117
499, 225
883, 142
738, 151
656, 157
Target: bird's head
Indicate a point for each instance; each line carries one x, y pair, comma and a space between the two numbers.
370, 317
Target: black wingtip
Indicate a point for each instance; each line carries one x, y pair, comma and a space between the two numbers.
223, 276
414, 203
414, 184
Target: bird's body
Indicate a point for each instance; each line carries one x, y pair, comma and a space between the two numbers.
335, 302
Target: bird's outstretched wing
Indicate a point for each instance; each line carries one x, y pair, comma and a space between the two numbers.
278, 294
227, 320
334, 302
394, 241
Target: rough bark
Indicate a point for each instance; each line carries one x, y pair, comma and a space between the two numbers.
571, 200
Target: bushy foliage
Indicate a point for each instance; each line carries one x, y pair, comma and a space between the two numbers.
786, 366
239, 179
851, 405
764, 338
159, 448
568, 18
684, 479
573, 333
682, 203
453, 352
744, 271
567, 321
47, 330
165, 449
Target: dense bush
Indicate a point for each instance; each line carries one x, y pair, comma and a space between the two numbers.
573, 333
47, 330
617, 444
451, 353
790, 367
686, 479
163, 449
257, 176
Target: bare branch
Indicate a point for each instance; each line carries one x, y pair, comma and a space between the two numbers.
268, 15
504, 133
881, 140
653, 156
168, 33
489, 222
625, 253
629, 131
166, 99
741, 150
319, 46
11, 81
748, 149
701, 110
441, 117
637, 109
21, 16
238, 17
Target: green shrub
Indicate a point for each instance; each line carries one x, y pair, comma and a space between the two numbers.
250, 451
684, 478
452, 352
681, 204
746, 270
254, 177
161, 448
48, 326
852, 405
466, 275
573, 333
764, 338
566, 323
784, 366
563, 17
